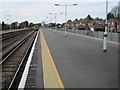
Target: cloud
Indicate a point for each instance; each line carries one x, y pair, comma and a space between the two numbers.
28, 11
38, 11
57, 0
0, 12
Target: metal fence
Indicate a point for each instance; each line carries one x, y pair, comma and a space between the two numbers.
115, 37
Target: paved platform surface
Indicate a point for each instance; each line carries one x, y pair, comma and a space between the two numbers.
35, 75
80, 61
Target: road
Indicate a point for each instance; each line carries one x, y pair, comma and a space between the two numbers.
80, 60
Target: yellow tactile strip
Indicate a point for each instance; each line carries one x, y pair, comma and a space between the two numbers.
51, 76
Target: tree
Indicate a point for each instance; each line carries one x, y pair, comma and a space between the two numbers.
80, 19
5, 26
116, 11
62, 25
97, 18
22, 25
89, 17
26, 23
14, 25
69, 24
69, 21
58, 25
76, 21
31, 24
110, 15
39, 24
50, 25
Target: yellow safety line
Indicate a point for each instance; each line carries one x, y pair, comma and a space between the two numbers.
50, 73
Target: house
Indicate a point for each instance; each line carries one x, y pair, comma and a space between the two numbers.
86, 24
94, 25
118, 25
69, 25
113, 25
97, 25
81, 27
97, 28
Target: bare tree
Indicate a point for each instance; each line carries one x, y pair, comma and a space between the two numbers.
116, 11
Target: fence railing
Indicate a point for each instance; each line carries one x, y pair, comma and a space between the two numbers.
115, 37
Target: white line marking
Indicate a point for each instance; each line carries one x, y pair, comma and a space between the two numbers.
25, 73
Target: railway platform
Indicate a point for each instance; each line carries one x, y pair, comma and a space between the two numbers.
51, 67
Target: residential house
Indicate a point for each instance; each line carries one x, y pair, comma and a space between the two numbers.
113, 25
97, 27
94, 25
86, 24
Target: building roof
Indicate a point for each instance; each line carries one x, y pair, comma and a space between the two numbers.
97, 26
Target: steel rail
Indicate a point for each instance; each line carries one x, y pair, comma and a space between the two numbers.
14, 49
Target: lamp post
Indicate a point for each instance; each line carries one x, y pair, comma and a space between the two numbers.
9, 21
118, 9
55, 17
7, 24
65, 5
105, 33
46, 21
118, 15
50, 19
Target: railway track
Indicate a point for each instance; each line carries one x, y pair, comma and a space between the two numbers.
14, 62
10, 40
6, 39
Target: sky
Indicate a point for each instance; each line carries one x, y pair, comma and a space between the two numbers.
37, 10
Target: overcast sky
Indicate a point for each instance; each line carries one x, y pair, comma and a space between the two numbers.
37, 10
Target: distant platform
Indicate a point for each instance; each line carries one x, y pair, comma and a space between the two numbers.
8, 31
